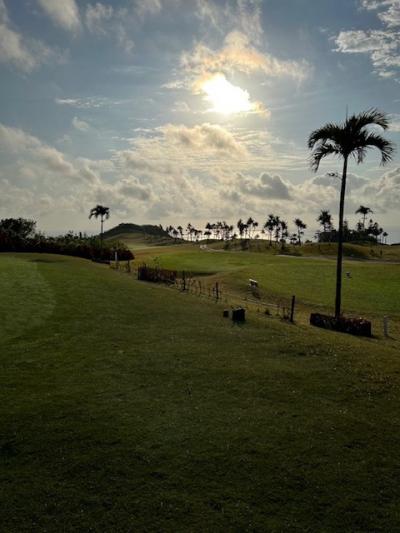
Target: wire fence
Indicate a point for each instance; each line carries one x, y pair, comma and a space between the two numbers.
185, 282
253, 300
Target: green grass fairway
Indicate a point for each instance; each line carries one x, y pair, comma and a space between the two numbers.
372, 291
130, 407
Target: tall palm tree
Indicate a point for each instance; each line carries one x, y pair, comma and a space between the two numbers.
102, 212
364, 211
352, 138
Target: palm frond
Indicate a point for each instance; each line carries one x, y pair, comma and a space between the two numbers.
330, 131
322, 150
386, 148
367, 118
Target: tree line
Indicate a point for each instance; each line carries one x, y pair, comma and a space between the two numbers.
276, 230
20, 235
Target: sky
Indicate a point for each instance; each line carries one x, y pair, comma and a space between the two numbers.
177, 111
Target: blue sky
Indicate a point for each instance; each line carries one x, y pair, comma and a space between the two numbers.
171, 111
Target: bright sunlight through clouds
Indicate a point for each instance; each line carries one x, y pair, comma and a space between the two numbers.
225, 97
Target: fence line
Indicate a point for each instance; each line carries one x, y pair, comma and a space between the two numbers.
188, 284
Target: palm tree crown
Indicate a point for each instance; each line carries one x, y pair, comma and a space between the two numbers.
352, 138
100, 211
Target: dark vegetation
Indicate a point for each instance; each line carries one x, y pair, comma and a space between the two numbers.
354, 326
19, 235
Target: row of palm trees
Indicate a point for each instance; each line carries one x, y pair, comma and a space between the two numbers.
362, 232
275, 228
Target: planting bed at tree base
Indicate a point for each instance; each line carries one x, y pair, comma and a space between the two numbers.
354, 326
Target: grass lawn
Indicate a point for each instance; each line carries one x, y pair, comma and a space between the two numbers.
131, 407
373, 290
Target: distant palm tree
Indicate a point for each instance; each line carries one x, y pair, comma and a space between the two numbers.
270, 226
300, 229
352, 138
284, 232
102, 212
364, 211
325, 219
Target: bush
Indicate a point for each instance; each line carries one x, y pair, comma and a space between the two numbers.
17, 235
354, 326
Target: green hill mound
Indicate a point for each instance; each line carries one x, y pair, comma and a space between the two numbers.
143, 235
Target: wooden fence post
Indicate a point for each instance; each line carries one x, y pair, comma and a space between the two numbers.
292, 309
386, 326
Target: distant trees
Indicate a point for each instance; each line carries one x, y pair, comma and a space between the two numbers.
276, 231
351, 139
364, 211
102, 212
270, 226
19, 235
325, 219
17, 229
300, 228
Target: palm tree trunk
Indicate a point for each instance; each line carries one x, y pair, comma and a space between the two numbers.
101, 232
338, 300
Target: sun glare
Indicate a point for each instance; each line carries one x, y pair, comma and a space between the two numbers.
225, 97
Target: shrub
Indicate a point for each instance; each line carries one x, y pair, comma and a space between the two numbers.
354, 326
17, 235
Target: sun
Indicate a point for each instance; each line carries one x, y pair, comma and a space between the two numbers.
225, 97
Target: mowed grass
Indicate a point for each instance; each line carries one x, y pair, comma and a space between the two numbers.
131, 407
373, 288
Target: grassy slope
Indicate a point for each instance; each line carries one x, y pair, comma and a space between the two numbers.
373, 289
140, 240
130, 407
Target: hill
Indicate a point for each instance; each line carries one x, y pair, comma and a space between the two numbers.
134, 235
146, 230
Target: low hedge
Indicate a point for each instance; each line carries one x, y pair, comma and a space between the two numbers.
354, 326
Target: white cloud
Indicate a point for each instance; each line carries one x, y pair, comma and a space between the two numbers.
395, 122
89, 102
391, 12
104, 20
80, 125
173, 173
147, 7
64, 14
203, 139
15, 49
385, 192
382, 46
97, 16
237, 54
265, 186
241, 15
